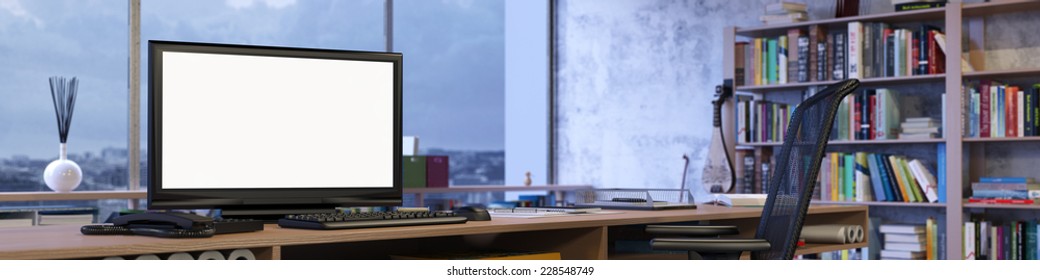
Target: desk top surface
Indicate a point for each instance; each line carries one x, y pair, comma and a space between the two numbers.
47, 242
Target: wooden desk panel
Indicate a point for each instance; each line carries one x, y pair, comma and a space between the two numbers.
65, 242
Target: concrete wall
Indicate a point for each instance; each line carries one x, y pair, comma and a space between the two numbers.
635, 80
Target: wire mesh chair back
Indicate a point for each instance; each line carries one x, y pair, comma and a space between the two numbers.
790, 187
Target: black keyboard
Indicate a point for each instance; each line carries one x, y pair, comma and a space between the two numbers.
368, 220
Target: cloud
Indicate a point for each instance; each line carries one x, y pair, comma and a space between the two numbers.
14, 7
274, 4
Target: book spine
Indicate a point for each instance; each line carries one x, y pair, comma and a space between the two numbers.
915, 53
771, 64
984, 110
840, 63
1035, 92
940, 156
855, 45
794, 50
918, 6
1028, 125
782, 61
850, 178
803, 59
1019, 112
757, 60
862, 178
875, 178
835, 171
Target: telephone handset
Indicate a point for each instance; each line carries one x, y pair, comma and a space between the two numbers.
170, 224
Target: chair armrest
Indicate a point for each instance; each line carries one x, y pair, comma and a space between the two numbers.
709, 245
692, 231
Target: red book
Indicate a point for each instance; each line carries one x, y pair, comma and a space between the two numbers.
872, 116
437, 171
936, 57
1011, 112
1000, 201
984, 104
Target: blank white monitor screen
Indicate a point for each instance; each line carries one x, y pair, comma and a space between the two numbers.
242, 121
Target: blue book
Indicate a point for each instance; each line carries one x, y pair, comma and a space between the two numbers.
941, 170
1001, 112
850, 178
875, 178
885, 177
1007, 180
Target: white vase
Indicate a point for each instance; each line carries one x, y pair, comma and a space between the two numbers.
62, 175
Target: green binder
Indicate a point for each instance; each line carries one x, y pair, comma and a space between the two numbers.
413, 171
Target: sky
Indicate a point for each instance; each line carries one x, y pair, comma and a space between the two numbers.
453, 52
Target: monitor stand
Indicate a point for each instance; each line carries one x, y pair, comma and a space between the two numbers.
270, 216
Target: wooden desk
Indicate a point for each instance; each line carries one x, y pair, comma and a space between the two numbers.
575, 237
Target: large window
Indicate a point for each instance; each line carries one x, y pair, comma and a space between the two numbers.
454, 85
83, 39
456, 82
350, 25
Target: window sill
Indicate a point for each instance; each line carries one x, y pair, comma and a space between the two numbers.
75, 195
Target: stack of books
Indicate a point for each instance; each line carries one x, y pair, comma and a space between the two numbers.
1005, 190
785, 12
919, 128
905, 242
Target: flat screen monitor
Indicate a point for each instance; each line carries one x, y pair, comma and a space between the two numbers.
272, 130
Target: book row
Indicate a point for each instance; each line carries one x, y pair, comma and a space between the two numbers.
861, 50
990, 240
870, 114
996, 110
878, 177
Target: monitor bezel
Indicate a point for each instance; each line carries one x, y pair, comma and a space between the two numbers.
264, 198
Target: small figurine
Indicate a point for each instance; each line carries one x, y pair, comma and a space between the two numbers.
527, 180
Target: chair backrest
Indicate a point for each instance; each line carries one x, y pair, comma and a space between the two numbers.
790, 187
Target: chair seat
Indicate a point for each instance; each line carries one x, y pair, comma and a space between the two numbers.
692, 231
710, 245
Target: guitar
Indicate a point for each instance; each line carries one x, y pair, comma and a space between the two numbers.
718, 175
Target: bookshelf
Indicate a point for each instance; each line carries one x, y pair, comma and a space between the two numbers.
964, 27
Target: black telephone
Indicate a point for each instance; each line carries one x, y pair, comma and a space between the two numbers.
170, 224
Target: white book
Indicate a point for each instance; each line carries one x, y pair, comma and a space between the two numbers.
925, 180
969, 240
855, 45
976, 109
904, 238
993, 123
901, 229
901, 255
1020, 112
904, 246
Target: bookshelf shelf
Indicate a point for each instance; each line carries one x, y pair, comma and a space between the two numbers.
1002, 139
881, 203
1002, 206
1031, 73
894, 17
863, 82
859, 142
813, 248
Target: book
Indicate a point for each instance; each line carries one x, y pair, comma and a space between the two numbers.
1011, 201
1011, 180
855, 45
905, 238
785, 7
901, 255
901, 228
905, 246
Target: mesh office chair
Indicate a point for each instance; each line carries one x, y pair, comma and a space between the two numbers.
789, 193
